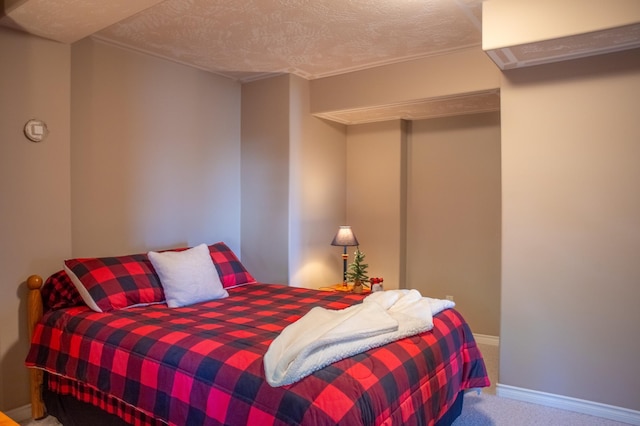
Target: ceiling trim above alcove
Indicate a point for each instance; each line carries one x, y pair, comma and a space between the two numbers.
522, 34
566, 48
420, 109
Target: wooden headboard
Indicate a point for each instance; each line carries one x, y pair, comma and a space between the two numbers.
34, 315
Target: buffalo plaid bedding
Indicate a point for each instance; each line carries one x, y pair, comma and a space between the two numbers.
202, 364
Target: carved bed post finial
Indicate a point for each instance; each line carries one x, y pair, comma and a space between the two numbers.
34, 314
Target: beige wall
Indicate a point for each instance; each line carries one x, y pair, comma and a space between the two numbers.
508, 23
142, 153
376, 197
453, 225
424, 200
569, 225
293, 173
155, 158
431, 77
34, 189
317, 204
265, 178
571, 229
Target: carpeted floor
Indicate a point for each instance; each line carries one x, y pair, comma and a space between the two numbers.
47, 421
491, 355
491, 410
486, 409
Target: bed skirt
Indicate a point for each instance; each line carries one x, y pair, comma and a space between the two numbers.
72, 412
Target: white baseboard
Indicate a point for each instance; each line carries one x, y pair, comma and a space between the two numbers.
20, 414
591, 408
485, 339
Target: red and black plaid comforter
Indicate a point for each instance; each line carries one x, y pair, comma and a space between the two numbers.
202, 365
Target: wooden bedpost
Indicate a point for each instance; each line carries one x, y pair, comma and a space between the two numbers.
34, 314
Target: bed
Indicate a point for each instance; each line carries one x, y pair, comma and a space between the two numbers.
138, 361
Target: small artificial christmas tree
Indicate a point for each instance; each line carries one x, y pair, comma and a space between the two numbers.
357, 272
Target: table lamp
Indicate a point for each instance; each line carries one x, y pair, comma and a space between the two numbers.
345, 238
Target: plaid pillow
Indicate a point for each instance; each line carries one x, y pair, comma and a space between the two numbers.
59, 292
110, 283
231, 271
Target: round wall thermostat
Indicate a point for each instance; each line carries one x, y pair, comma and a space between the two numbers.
36, 130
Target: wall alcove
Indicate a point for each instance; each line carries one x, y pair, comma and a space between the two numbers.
424, 193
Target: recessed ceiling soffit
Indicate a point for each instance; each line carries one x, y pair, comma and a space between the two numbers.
565, 48
468, 103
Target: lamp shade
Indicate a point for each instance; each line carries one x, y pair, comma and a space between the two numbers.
345, 237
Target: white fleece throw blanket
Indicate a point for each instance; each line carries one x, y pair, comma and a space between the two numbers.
324, 336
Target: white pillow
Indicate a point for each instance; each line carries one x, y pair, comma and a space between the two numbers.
188, 276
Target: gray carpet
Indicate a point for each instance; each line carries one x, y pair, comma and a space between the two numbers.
47, 421
486, 409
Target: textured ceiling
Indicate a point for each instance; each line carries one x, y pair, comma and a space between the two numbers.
252, 38
308, 38
67, 21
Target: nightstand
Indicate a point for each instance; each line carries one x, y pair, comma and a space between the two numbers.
346, 289
6, 421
